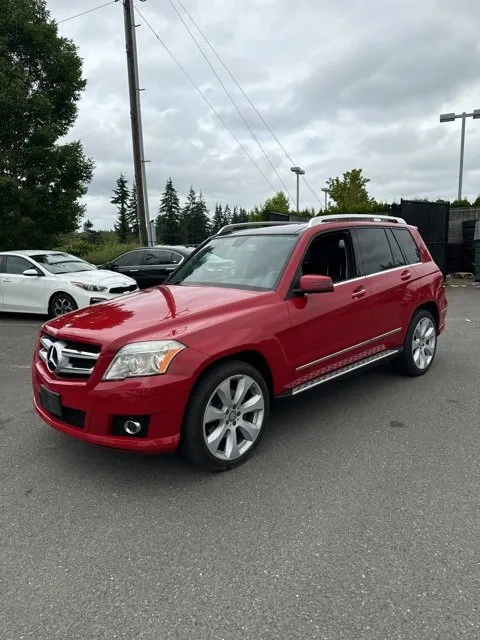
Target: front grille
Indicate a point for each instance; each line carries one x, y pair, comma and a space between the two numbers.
125, 289
70, 359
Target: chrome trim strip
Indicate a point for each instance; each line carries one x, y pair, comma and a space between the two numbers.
355, 346
81, 354
341, 372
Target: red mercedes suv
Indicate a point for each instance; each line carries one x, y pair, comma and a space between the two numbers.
260, 310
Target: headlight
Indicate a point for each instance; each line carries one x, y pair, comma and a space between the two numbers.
143, 359
90, 287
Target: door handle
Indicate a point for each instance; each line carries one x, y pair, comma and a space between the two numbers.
359, 293
133, 270
6, 280
405, 275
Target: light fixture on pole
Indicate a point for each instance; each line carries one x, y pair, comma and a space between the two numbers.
451, 117
299, 172
325, 191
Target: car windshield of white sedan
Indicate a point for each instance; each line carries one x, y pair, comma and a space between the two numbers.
59, 263
242, 262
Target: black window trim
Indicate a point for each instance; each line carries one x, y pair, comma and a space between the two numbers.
407, 262
392, 238
357, 276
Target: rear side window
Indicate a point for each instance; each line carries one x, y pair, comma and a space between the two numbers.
154, 256
375, 251
408, 245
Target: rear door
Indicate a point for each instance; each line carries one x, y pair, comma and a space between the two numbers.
22, 293
392, 283
159, 264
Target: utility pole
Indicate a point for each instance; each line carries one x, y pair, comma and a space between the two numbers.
136, 121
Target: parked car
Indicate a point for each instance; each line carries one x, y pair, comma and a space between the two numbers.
149, 266
196, 363
54, 283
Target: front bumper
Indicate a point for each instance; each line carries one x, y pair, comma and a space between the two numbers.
162, 398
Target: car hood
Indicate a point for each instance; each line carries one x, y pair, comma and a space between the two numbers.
160, 313
105, 278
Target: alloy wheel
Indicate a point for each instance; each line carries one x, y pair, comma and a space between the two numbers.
233, 417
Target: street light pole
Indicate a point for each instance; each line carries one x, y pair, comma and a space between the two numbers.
451, 117
299, 172
325, 191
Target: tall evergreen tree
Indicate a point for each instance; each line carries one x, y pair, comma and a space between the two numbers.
199, 221
234, 216
218, 219
187, 215
227, 215
169, 217
120, 199
132, 212
242, 215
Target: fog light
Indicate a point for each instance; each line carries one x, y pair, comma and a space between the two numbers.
132, 427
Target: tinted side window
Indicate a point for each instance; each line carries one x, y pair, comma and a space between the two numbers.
130, 259
409, 246
398, 258
155, 256
375, 250
17, 265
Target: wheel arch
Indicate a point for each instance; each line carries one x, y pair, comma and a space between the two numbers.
59, 293
432, 308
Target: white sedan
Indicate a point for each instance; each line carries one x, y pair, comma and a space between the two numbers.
54, 283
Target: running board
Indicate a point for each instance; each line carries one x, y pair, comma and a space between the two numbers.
331, 375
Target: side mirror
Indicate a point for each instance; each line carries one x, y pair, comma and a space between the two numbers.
315, 284
32, 273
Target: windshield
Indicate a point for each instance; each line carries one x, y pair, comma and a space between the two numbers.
59, 263
243, 262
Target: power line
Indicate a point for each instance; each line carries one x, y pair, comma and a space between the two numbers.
197, 88
231, 99
243, 92
84, 13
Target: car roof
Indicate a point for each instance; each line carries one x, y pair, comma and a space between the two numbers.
34, 252
298, 228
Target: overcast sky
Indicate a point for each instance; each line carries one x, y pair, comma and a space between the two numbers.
343, 85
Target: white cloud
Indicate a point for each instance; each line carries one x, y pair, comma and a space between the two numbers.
344, 85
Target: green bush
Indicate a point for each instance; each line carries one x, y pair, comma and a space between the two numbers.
105, 252
95, 253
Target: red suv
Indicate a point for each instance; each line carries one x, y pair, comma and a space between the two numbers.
260, 310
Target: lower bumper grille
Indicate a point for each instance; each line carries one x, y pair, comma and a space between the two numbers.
126, 289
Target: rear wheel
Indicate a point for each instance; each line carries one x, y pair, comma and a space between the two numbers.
60, 304
226, 417
420, 345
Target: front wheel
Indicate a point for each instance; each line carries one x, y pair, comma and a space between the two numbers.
60, 304
226, 417
420, 345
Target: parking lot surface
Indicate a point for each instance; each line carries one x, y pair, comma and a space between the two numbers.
358, 517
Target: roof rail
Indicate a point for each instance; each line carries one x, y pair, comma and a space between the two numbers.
238, 226
355, 217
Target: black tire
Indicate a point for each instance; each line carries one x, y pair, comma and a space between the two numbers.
406, 363
193, 445
61, 301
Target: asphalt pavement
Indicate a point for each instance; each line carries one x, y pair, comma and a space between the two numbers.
357, 518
